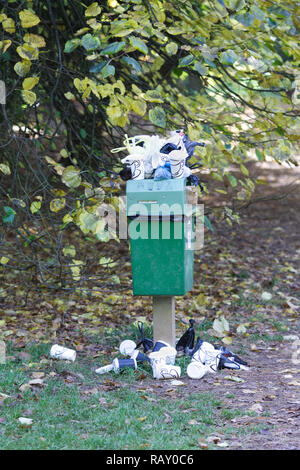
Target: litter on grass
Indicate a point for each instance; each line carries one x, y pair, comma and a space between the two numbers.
204, 357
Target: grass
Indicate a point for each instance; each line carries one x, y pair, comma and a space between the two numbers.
76, 409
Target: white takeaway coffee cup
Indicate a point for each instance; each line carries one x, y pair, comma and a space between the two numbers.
127, 347
60, 352
196, 370
166, 371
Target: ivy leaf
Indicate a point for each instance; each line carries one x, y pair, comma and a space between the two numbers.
93, 10
34, 40
232, 180
28, 52
187, 60
138, 44
4, 168
9, 25
71, 177
113, 48
35, 206
133, 63
108, 70
172, 48
28, 96
28, 19
30, 83
228, 57
71, 45
89, 42
157, 116
9, 215
57, 204
22, 68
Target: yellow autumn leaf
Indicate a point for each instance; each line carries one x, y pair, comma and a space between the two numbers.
4, 168
28, 96
28, 19
139, 107
28, 52
34, 40
30, 83
22, 68
4, 260
35, 206
114, 112
93, 10
142, 418
9, 25
4, 45
57, 204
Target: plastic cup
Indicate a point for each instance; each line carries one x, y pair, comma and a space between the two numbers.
137, 170
166, 371
196, 370
139, 357
127, 347
177, 168
60, 352
123, 363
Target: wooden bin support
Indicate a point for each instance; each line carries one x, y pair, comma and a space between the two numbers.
164, 319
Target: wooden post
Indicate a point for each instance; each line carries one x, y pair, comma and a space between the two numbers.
164, 319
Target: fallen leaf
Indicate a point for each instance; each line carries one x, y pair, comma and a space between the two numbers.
142, 418
37, 375
36, 382
233, 378
178, 383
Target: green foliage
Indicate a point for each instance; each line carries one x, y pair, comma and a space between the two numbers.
79, 76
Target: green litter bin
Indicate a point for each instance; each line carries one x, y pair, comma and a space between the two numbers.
161, 224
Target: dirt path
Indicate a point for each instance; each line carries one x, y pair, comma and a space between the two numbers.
264, 248
269, 238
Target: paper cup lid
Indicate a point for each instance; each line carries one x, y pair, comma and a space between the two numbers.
195, 370
127, 346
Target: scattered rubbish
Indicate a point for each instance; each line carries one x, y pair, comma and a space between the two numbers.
166, 371
159, 345
60, 352
147, 343
26, 422
139, 357
152, 156
229, 360
117, 365
196, 370
205, 357
186, 342
127, 347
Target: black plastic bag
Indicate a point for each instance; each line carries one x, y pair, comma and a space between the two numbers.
186, 342
147, 343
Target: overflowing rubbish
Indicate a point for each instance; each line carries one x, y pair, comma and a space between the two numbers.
152, 156
60, 352
161, 356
